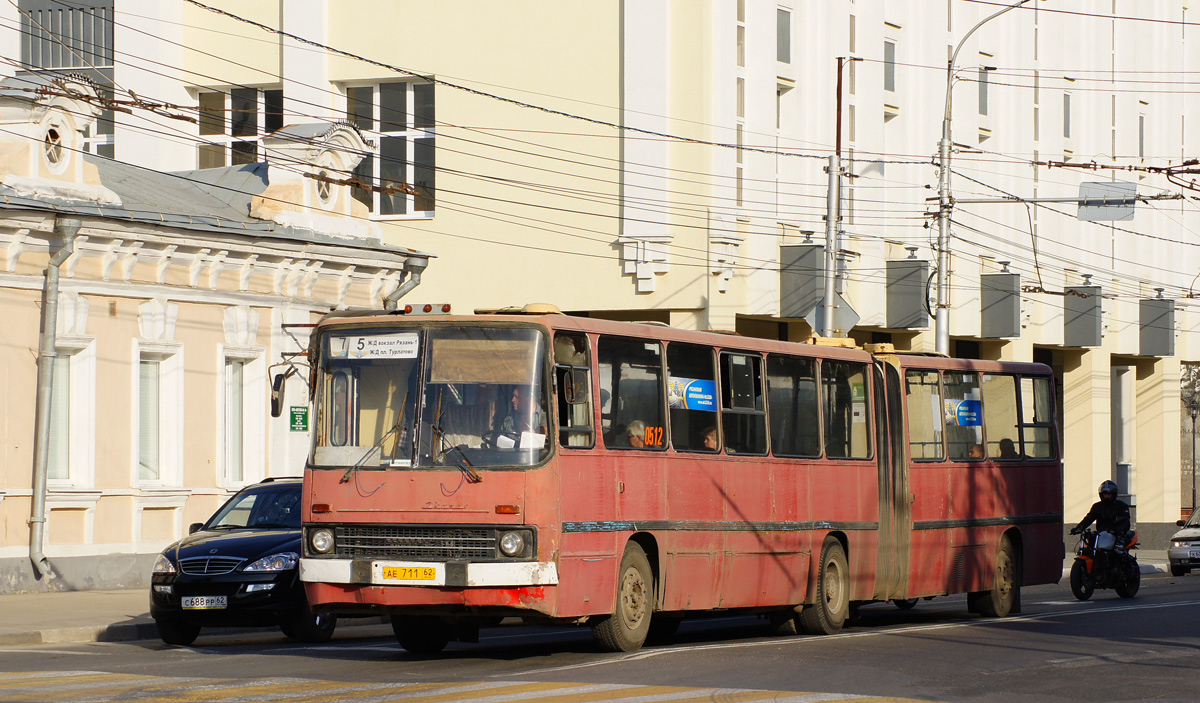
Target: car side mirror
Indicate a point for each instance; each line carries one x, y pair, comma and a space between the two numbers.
195, 527
1180, 523
277, 394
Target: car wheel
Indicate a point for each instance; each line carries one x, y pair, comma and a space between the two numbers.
1177, 570
626, 629
832, 604
310, 627
177, 632
905, 603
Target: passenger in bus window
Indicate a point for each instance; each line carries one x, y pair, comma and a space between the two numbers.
1008, 449
635, 435
710, 439
975, 452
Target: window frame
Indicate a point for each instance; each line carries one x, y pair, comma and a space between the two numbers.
171, 407
417, 136
254, 411
80, 442
267, 116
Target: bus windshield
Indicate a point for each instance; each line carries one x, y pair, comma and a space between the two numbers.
436, 396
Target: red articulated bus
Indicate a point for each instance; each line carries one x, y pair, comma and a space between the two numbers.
625, 475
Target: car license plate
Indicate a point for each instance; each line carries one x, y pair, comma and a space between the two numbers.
205, 602
410, 573
1194, 553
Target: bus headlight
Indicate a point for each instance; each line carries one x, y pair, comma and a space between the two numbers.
512, 543
321, 540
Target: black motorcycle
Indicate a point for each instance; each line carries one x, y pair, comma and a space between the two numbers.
1101, 563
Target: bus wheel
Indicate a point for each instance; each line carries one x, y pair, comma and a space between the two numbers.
626, 629
1002, 599
420, 635
827, 615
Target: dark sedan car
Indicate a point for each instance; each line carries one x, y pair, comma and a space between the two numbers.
239, 568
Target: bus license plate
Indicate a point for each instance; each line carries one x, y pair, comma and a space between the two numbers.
418, 574
205, 602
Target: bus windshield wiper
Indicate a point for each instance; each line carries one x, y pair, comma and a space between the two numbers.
464, 464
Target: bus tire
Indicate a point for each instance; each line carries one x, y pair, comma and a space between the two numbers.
626, 629
1001, 601
420, 635
832, 606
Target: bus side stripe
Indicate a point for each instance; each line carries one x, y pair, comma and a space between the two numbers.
713, 526
988, 521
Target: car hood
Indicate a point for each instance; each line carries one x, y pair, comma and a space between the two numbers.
247, 544
1187, 533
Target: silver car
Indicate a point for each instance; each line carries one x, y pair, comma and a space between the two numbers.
1184, 551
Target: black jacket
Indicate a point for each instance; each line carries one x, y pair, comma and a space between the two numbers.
1109, 517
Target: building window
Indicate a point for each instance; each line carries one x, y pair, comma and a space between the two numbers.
1066, 115
232, 124
159, 396
72, 432
783, 35
149, 437
400, 170
741, 46
235, 389
983, 90
889, 66
1142, 134
243, 390
77, 38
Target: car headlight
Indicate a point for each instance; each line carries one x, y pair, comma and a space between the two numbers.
512, 543
163, 565
276, 562
321, 540
1177, 543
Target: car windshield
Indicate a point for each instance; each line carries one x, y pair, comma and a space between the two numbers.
260, 508
461, 396
1194, 520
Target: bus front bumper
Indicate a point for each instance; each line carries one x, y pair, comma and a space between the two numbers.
440, 574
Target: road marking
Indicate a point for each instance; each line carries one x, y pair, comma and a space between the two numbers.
109, 688
778, 641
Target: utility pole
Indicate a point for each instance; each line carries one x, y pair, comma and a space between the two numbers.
945, 202
833, 201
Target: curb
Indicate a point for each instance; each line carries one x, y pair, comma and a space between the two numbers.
130, 632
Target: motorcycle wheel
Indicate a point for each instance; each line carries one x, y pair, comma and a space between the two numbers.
1128, 587
1082, 584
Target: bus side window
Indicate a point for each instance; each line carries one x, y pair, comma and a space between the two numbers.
1037, 418
632, 415
743, 416
924, 398
963, 415
847, 421
792, 406
692, 398
1000, 416
573, 380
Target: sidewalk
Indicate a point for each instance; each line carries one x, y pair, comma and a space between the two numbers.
118, 616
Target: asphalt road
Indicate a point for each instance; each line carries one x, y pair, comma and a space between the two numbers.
1106, 649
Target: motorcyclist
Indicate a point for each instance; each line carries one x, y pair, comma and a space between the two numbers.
1109, 514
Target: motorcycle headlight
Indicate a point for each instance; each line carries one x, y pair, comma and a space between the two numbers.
512, 543
163, 565
321, 540
276, 562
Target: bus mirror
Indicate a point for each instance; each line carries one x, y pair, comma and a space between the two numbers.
576, 391
277, 394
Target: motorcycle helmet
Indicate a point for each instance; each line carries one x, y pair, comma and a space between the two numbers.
1109, 487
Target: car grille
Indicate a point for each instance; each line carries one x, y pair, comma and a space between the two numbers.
209, 565
419, 543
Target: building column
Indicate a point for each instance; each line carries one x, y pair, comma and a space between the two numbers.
1156, 455
1086, 427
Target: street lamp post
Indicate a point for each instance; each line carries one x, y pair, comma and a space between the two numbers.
945, 204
